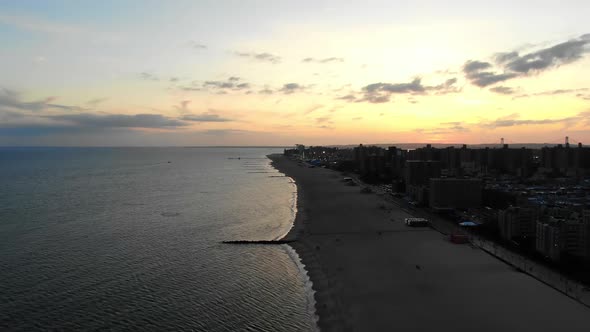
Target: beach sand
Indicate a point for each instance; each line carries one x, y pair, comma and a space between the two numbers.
372, 273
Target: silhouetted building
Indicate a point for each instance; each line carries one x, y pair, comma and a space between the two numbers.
419, 172
566, 160
556, 237
455, 193
547, 241
517, 222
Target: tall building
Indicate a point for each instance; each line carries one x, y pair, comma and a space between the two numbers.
556, 237
397, 159
419, 172
455, 193
547, 242
566, 159
518, 222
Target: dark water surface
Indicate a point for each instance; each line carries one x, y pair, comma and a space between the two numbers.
129, 238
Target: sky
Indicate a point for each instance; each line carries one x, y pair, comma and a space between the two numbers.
253, 72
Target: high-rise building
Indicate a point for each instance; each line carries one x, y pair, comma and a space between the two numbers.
556, 237
518, 222
419, 172
455, 193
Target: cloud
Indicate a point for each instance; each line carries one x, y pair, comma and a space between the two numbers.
561, 91
413, 87
266, 57
197, 46
67, 107
504, 57
505, 90
449, 86
205, 117
230, 84
323, 119
148, 76
118, 120
266, 91
313, 109
190, 88
473, 72
35, 130
325, 60
446, 128
291, 88
183, 106
96, 101
377, 93
374, 99
577, 92
218, 84
474, 66
559, 54
512, 121
348, 97
512, 65
11, 100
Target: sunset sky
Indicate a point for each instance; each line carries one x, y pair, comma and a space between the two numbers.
250, 72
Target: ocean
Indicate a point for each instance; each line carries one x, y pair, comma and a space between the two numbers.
130, 239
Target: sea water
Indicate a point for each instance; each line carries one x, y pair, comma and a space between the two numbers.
130, 238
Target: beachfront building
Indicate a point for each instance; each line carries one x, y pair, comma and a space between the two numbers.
518, 222
455, 193
556, 237
419, 172
547, 242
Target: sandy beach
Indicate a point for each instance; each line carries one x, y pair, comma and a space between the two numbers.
372, 273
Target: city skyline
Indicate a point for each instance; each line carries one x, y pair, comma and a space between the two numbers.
260, 73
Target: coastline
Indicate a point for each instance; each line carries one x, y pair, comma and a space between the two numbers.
369, 272
327, 317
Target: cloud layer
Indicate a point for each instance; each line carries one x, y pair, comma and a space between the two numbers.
265, 57
509, 65
377, 93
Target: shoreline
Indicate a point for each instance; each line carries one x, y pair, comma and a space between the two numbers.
326, 319
370, 272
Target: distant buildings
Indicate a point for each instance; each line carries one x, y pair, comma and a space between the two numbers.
571, 161
537, 198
